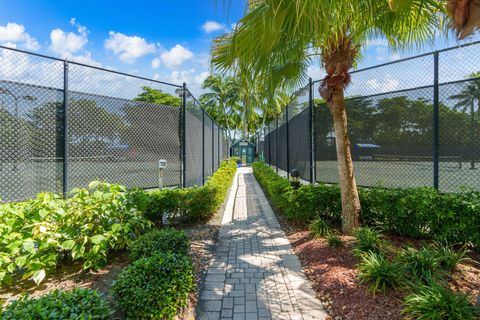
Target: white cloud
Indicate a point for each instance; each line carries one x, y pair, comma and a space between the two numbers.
13, 33
388, 83
176, 56
128, 47
191, 77
156, 63
213, 26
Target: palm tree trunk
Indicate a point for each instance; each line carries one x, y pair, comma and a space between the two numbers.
350, 200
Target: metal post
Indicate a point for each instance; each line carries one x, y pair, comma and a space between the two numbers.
435, 121
218, 146
65, 129
183, 135
203, 146
311, 129
269, 147
288, 143
213, 147
472, 135
276, 145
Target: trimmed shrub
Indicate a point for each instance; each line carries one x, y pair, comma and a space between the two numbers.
159, 241
192, 205
75, 304
156, 287
319, 228
367, 240
436, 302
381, 274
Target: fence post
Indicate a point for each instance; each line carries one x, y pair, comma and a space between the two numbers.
288, 143
203, 146
218, 146
276, 145
213, 146
63, 139
435, 121
183, 135
311, 129
269, 147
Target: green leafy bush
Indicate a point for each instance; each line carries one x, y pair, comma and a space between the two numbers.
448, 258
320, 228
367, 240
75, 304
334, 240
415, 212
158, 241
156, 287
421, 264
191, 205
436, 302
381, 274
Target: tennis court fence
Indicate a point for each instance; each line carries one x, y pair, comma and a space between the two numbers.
64, 124
412, 123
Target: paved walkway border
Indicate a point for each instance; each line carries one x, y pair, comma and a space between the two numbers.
254, 273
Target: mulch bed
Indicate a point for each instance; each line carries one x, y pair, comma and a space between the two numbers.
333, 275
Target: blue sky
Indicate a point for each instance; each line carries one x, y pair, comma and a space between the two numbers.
165, 40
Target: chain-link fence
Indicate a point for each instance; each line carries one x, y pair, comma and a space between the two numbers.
413, 122
64, 124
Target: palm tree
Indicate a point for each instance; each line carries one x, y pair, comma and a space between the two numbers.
278, 38
223, 95
466, 102
464, 14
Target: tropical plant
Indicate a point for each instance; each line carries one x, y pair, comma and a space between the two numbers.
277, 39
421, 264
367, 240
319, 228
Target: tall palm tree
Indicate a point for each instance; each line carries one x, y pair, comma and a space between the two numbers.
223, 95
466, 100
464, 14
277, 38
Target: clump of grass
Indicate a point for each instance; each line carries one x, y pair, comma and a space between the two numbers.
421, 264
448, 258
319, 228
380, 274
436, 302
367, 240
334, 240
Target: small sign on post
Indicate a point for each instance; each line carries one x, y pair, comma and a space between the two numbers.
162, 164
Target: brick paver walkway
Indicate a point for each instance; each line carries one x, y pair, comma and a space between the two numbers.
254, 273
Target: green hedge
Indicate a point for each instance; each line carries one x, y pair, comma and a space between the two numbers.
156, 287
191, 205
416, 212
159, 241
59, 305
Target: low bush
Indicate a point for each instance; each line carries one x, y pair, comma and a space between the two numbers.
59, 305
416, 212
380, 274
156, 287
436, 302
448, 258
334, 240
191, 205
158, 241
319, 228
367, 240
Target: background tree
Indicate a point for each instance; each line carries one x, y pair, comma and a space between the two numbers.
158, 97
276, 38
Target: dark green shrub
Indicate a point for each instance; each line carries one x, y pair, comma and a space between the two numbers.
319, 228
158, 241
156, 287
334, 240
367, 240
422, 264
380, 274
436, 302
76, 304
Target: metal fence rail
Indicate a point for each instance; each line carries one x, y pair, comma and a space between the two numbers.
64, 124
413, 122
